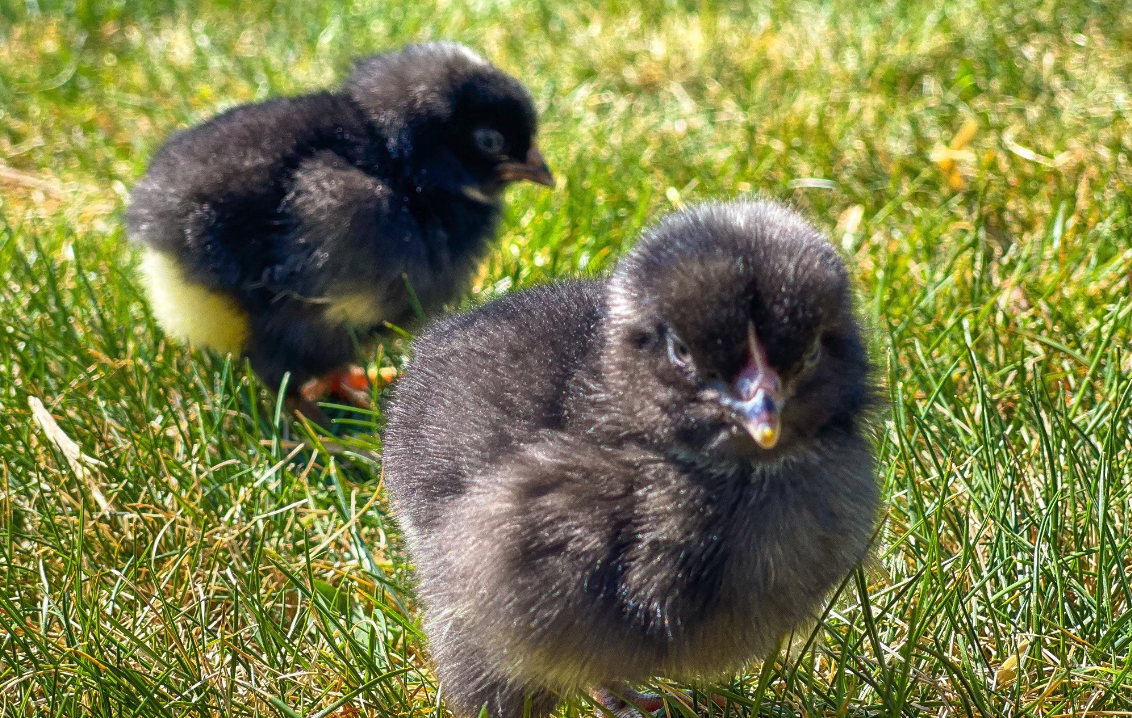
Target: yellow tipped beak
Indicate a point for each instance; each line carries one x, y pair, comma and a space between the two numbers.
756, 403
760, 417
765, 435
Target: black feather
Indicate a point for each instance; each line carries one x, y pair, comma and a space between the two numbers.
580, 515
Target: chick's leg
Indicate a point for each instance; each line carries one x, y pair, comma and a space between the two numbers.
353, 384
625, 702
291, 339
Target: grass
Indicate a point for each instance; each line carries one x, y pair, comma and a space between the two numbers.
167, 550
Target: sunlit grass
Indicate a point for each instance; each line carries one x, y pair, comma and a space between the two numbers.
170, 547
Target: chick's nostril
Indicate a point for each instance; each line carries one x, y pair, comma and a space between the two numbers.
755, 380
745, 387
764, 403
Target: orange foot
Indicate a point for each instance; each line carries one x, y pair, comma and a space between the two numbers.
352, 384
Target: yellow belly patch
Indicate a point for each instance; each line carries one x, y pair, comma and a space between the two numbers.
189, 311
360, 310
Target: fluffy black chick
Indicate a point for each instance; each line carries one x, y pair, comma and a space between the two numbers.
291, 229
658, 474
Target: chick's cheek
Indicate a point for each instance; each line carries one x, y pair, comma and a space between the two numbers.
804, 414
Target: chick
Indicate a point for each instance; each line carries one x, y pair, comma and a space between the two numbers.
293, 230
657, 474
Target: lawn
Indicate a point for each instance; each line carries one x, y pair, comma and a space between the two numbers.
171, 545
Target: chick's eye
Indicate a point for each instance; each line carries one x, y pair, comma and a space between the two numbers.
490, 141
813, 354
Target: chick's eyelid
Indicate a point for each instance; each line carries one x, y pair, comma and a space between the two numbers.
813, 352
678, 352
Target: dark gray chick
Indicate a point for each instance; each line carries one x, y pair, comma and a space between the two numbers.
656, 474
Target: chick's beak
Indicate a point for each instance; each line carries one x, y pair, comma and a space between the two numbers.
757, 400
533, 169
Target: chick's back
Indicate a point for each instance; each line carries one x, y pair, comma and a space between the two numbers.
448, 423
212, 193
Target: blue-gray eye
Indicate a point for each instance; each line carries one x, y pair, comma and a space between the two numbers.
678, 352
489, 141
